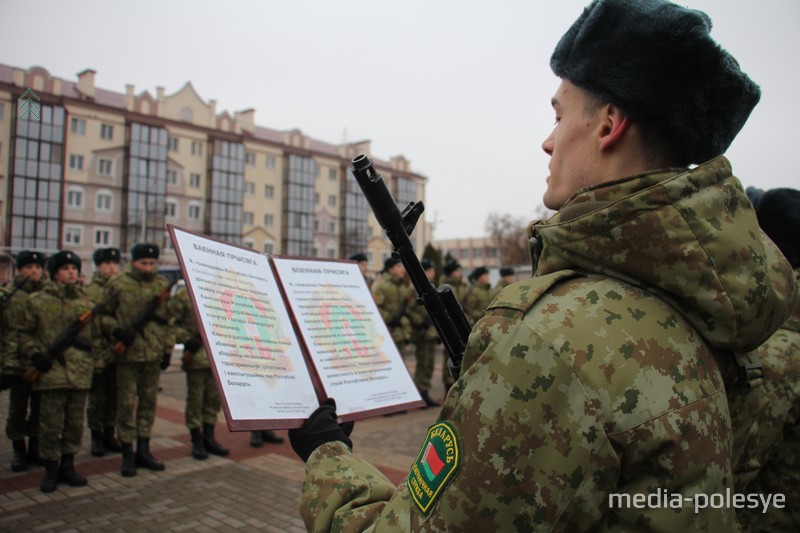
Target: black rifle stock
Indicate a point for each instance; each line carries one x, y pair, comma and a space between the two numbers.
145, 316
441, 304
7, 296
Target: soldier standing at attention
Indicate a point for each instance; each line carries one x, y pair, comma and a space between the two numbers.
21, 421
479, 295
506, 278
424, 337
393, 296
62, 389
202, 396
361, 259
146, 350
598, 381
102, 410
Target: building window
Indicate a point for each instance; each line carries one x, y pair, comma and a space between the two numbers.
331, 200
477, 253
464, 253
194, 212
102, 237
269, 191
269, 220
104, 167
331, 253
331, 227
316, 198
248, 243
248, 218
249, 159
103, 201
2, 110
75, 162
333, 174
197, 148
106, 131
194, 181
75, 197
226, 191
144, 202
172, 177
72, 235
269, 247
298, 212
171, 209
172, 144
187, 115
249, 188
270, 162
77, 126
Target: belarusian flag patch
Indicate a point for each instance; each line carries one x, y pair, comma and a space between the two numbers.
435, 465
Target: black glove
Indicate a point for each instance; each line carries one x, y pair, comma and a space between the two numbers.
165, 361
123, 336
192, 345
42, 362
8, 380
320, 428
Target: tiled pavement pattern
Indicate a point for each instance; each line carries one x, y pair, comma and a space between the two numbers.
253, 489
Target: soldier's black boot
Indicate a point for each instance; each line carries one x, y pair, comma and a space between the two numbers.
50, 480
67, 473
212, 446
98, 448
144, 458
19, 462
110, 442
198, 446
128, 460
33, 451
427, 399
268, 435
255, 439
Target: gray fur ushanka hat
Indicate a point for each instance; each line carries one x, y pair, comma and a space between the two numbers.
657, 62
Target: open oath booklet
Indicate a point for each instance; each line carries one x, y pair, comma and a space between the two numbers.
283, 334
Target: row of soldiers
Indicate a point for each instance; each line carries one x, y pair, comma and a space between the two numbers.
63, 342
409, 323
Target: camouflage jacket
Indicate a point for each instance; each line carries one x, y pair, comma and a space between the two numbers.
594, 382
422, 328
98, 293
136, 289
476, 300
769, 461
186, 328
49, 313
14, 361
393, 298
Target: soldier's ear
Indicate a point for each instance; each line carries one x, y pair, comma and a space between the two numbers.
614, 125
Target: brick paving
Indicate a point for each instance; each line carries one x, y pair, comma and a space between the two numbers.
253, 489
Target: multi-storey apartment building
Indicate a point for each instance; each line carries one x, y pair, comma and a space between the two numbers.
88, 167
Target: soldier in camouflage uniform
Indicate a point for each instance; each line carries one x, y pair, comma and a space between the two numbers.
767, 419
453, 276
363, 265
146, 351
62, 389
506, 278
479, 295
102, 411
393, 297
21, 421
202, 396
424, 337
597, 382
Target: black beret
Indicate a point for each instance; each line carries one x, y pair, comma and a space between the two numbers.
64, 257
360, 256
506, 271
144, 251
478, 272
390, 262
450, 267
779, 216
754, 194
427, 264
657, 62
27, 257
101, 255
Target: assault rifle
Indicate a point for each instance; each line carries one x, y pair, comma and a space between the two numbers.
67, 338
146, 315
441, 304
7, 296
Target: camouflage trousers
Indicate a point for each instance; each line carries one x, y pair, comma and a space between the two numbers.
102, 409
60, 422
202, 398
426, 357
136, 381
22, 422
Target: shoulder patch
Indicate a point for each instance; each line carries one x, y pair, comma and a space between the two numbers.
436, 464
523, 294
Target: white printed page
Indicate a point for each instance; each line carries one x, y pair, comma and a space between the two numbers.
350, 346
255, 354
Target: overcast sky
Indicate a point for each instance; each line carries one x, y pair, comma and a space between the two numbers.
460, 88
